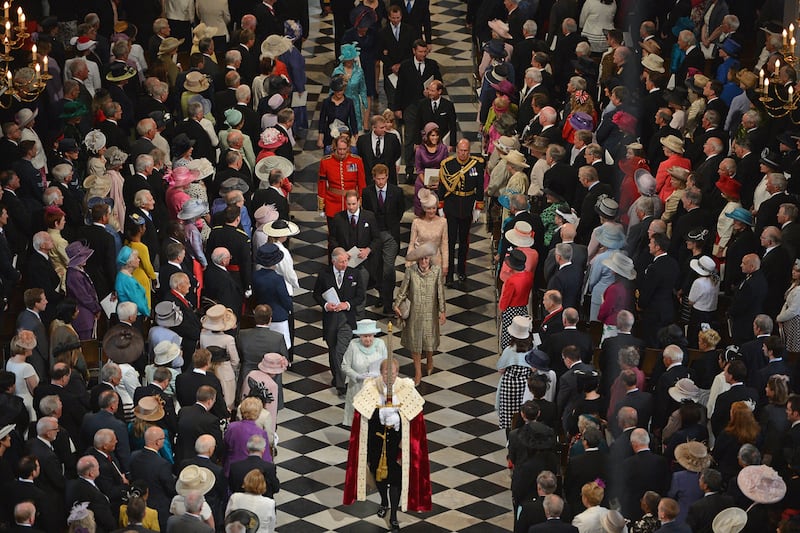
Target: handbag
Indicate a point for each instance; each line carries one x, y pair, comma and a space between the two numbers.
405, 308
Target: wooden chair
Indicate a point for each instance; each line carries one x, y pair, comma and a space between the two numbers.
650, 359
92, 354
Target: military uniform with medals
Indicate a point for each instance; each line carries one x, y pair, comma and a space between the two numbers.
335, 178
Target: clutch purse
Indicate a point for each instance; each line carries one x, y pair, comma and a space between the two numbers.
405, 308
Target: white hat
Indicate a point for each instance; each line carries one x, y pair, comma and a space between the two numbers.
520, 327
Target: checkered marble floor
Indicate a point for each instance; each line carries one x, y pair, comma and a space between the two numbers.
467, 454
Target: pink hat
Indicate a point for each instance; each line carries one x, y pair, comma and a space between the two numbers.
181, 176
271, 138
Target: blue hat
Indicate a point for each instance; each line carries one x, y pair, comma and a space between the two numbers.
538, 359
350, 52
731, 47
123, 255
495, 48
611, 236
68, 144
742, 215
268, 255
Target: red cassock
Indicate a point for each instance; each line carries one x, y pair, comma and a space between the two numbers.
419, 486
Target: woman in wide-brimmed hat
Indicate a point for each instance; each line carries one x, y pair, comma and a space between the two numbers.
694, 457
689, 422
515, 294
618, 294
193, 213
428, 157
521, 237
95, 143
702, 296
362, 360
217, 321
81, 288
166, 354
514, 370
278, 232
422, 291
610, 238
193, 478
677, 181
167, 50
429, 228
763, 486
673, 148
264, 382
270, 288
607, 210
149, 412
518, 181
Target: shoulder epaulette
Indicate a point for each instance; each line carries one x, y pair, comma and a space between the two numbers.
448, 158
478, 158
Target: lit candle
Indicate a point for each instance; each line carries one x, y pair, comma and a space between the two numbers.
8, 27
784, 37
766, 86
5, 42
8, 75
37, 68
5, 10
761, 78
777, 66
22, 22
33, 52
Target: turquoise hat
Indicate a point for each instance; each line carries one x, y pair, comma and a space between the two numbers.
742, 215
124, 255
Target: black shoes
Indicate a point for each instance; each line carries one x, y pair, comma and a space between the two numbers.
395, 525
382, 510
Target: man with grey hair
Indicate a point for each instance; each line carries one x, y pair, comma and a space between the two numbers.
222, 287
146, 131
193, 128
51, 470
149, 466
190, 521
568, 279
532, 512
256, 445
589, 217
561, 178
612, 345
687, 42
85, 489
339, 318
143, 166
144, 206
108, 405
39, 272
672, 359
767, 214
524, 49
777, 266
531, 83
111, 479
252, 120
642, 472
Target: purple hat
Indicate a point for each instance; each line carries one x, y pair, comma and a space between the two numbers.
581, 121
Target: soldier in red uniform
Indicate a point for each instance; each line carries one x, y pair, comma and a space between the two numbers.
339, 172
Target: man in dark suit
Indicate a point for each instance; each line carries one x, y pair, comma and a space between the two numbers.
192, 128
379, 148
142, 210
196, 420
190, 521
747, 170
747, 300
111, 478
146, 129
157, 387
252, 120
609, 358
105, 418
255, 342
642, 472
72, 408
777, 267
51, 471
39, 272
148, 465
217, 497
774, 351
30, 319
568, 384
640, 400
101, 265
188, 384
357, 227
703, 511
553, 321
672, 358
768, 210
790, 228
569, 336
387, 201
668, 513
143, 168
440, 111
418, 17
561, 178
553, 506
396, 42
580, 253
524, 50
272, 194
23, 489
188, 327
687, 42
589, 216
620, 449
694, 217
84, 489
219, 285
339, 319
238, 470
656, 303
735, 374
568, 279
23, 517
564, 52
231, 236
752, 351
248, 69
585, 468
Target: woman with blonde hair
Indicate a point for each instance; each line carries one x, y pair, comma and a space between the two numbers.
22, 345
252, 499
429, 228
789, 318
590, 520
240, 431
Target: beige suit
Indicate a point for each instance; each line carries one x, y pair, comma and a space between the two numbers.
214, 13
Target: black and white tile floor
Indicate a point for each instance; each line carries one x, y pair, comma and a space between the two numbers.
468, 466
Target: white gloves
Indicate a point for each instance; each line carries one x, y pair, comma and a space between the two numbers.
441, 212
390, 416
476, 215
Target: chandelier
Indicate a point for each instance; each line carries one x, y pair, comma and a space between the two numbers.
27, 82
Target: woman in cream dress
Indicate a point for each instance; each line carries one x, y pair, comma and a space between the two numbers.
429, 228
361, 360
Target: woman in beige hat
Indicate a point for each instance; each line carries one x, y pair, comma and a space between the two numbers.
677, 177
519, 182
423, 288
115, 161
697, 104
267, 377
149, 412
362, 360
193, 478
22, 346
673, 149
429, 228
217, 320
693, 456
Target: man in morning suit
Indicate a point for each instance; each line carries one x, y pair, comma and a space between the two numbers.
379, 148
339, 319
687, 42
438, 110
568, 336
589, 217
30, 319
461, 190
655, 301
102, 264
230, 235
148, 465
84, 489
553, 321
777, 267
39, 272
672, 357
255, 342
396, 41
568, 279
111, 479
24, 517
747, 300
642, 472
387, 202
108, 403
774, 351
273, 193
190, 521
609, 358
196, 420
735, 374
586, 467
640, 400
188, 327
217, 497
703, 511
568, 383
358, 227
188, 385
72, 408
219, 285
752, 351
238, 470
417, 14
553, 507
51, 473
157, 387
